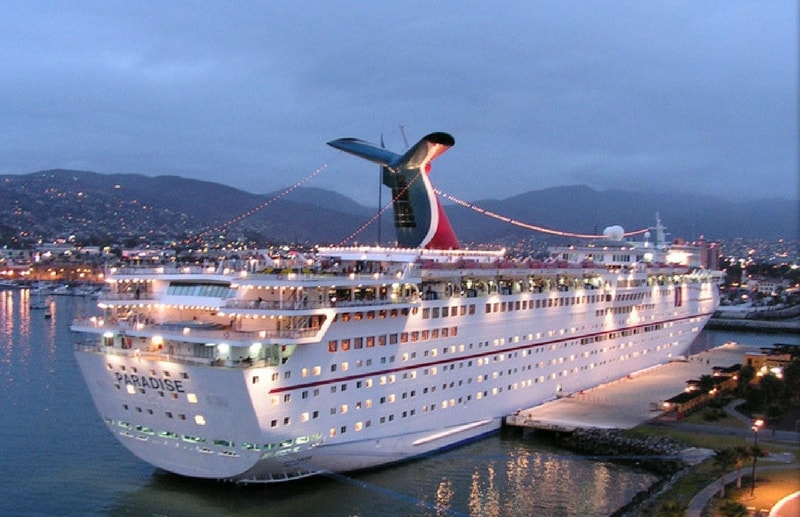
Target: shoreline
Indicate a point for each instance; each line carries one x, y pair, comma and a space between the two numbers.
791, 326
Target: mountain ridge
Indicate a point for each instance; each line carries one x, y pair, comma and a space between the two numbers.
96, 205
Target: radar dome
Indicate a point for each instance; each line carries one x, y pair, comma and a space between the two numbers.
614, 233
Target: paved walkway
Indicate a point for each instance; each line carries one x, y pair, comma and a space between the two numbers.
701, 499
630, 401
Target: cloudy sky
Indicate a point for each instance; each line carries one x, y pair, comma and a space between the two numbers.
696, 96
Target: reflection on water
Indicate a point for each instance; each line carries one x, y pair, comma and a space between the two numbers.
507, 474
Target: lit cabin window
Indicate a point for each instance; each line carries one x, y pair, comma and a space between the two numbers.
192, 398
199, 420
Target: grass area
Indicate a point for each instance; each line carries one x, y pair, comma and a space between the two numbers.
725, 420
771, 487
694, 439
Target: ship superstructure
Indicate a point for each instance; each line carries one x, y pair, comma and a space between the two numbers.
355, 357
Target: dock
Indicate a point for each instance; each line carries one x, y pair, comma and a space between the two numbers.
627, 402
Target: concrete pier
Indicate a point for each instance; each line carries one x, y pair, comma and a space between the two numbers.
627, 402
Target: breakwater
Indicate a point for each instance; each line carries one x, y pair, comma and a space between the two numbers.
660, 455
657, 454
791, 326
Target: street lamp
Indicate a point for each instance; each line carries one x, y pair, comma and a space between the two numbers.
757, 424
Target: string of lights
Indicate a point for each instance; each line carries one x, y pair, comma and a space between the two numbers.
527, 226
458, 201
262, 206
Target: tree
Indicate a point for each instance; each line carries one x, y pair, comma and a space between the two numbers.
742, 453
746, 374
755, 452
706, 383
772, 388
791, 380
725, 459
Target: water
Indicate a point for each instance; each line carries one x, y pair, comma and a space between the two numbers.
59, 459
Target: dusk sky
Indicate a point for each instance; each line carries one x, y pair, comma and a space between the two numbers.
687, 96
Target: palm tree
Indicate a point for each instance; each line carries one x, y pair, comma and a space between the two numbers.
724, 459
742, 453
755, 452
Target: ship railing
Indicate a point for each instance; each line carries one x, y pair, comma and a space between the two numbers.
308, 304
91, 346
292, 274
178, 331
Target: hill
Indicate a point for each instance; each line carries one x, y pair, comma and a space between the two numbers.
131, 208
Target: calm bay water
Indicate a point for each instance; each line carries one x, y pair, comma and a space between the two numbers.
59, 459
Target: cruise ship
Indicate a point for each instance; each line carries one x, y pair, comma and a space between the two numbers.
354, 357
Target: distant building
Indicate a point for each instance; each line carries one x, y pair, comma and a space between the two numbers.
765, 363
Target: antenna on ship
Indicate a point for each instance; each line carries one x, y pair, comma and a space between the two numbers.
403, 132
661, 235
380, 190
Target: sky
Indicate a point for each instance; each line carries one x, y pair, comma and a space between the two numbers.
682, 96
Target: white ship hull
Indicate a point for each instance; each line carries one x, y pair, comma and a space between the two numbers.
359, 357
351, 409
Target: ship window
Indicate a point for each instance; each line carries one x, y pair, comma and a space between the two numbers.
445, 312
346, 316
415, 336
392, 339
436, 312
345, 344
370, 341
404, 337
426, 313
273, 423
371, 315
357, 316
424, 335
332, 345
358, 343
192, 398
255, 379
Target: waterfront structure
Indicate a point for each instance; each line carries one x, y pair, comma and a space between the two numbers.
363, 356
